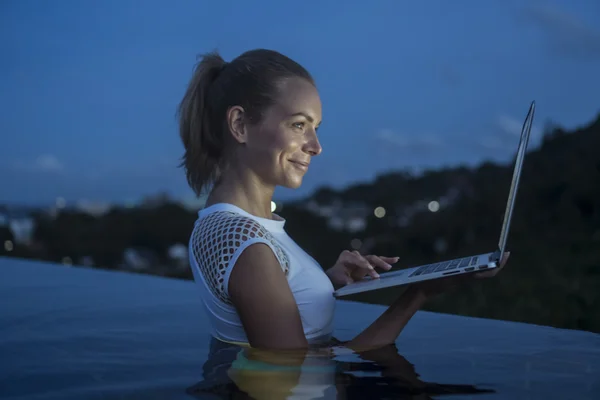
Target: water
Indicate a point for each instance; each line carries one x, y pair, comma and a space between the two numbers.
71, 333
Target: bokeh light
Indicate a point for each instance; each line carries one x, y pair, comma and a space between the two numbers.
8, 245
433, 206
379, 212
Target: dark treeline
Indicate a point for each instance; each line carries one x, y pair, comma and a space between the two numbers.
553, 277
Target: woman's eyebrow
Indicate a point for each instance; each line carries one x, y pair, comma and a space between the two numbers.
305, 115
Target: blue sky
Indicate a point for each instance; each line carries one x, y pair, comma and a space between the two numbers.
88, 90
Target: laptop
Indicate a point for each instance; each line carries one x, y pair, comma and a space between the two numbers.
458, 266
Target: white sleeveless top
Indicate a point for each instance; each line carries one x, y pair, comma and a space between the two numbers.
220, 235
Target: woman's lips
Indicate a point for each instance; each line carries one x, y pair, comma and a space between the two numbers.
300, 164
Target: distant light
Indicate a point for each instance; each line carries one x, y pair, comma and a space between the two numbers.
433, 206
379, 212
273, 206
356, 244
60, 202
8, 245
67, 261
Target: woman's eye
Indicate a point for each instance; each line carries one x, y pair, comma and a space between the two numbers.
299, 125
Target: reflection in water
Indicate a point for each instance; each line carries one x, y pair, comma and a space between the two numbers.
232, 372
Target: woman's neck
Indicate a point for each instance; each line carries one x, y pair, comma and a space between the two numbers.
243, 192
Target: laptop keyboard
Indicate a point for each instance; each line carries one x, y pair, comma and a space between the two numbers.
445, 266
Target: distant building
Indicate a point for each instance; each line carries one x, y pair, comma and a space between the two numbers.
178, 253
351, 217
139, 259
19, 222
95, 208
22, 229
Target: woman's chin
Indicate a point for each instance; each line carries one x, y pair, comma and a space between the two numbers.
293, 183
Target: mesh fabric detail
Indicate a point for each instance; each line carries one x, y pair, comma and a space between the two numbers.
215, 240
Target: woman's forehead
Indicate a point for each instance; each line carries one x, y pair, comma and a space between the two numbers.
299, 97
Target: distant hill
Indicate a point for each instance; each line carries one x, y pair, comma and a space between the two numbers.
554, 273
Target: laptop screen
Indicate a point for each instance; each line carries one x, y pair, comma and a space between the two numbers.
525, 131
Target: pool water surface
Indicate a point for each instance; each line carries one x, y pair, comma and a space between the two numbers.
77, 333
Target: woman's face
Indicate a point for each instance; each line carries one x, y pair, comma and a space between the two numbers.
279, 149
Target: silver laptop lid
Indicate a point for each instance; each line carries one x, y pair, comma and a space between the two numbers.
525, 131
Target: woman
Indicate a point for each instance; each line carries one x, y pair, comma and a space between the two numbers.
248, 126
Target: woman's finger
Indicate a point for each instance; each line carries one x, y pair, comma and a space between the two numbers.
493, 272
361, 262
502, 264
504, 259
346, 279
378, 262
486, 274
389, 260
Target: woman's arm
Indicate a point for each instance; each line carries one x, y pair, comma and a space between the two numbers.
262, 297
386, 329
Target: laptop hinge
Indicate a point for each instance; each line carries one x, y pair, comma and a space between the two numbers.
495, 256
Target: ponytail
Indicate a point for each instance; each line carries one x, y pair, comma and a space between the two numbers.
201, 137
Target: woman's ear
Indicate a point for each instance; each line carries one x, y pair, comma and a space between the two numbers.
236, 123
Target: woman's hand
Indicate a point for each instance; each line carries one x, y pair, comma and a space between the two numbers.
435, 287
351, 266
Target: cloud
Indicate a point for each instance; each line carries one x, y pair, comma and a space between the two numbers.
48, 162
44, 163
417, 141
513, 126
567, 34
506, 133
